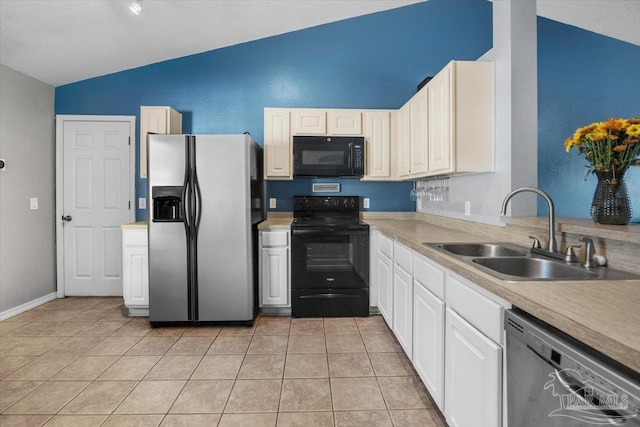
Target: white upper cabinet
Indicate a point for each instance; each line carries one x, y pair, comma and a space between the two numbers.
402, 143
418, 135
461, 116
377, 134
308, 121
344, 122
162, 120
277, 144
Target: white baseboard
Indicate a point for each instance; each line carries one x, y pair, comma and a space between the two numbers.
27, 306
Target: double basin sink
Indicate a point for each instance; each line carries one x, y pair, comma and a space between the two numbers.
513, 263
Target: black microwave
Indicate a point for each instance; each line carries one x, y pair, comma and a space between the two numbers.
336, 156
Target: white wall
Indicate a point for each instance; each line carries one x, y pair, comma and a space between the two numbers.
515, 56
27, 237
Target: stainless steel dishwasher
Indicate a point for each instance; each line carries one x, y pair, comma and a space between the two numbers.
554, 380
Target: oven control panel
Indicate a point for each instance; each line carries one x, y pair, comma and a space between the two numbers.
326, 203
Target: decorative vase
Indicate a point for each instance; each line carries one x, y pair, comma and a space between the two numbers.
611, 201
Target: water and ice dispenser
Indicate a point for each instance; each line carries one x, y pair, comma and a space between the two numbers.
167, 204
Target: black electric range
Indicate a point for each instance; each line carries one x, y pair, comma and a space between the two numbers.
329, 257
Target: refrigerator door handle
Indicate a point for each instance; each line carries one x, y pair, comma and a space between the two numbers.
185, 188
198, 194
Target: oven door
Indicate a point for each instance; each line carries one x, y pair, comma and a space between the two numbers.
322, 159
324, 258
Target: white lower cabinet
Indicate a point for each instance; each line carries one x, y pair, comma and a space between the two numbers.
403, 308
384, 273
135, 271
428, 340
274, 269
473, 375
450, 328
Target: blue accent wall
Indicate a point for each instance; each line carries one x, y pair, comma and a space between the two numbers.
373, 61
583, 78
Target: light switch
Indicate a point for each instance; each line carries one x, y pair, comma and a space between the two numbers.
142, 203
272, 203
34, 203
365, 203
467, 208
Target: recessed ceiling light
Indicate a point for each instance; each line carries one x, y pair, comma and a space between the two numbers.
136, 6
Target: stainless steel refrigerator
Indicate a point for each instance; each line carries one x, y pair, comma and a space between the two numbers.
207, 198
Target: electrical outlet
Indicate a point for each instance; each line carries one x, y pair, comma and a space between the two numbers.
467, 208
142, 203
272, 203
365, 203
33, 203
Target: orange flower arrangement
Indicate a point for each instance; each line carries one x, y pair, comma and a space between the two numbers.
612, 145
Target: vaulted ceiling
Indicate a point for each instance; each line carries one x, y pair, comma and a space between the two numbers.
63, 41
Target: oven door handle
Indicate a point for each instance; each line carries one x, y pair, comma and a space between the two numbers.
324, 231
329, 296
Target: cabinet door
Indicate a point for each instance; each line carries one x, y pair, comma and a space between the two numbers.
419, 137
385, 287
440, 122
344, 122
135, 268
275, 276
403, 308
156, 120
377, 133
277, 144
428, 340
308, 122
403, 153
136, 277
473, 376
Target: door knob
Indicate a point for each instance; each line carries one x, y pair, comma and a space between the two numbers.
66, 218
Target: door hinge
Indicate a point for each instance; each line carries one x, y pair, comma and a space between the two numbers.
129, 204
129, 140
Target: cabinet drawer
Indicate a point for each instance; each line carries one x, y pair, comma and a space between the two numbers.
429, 276
275, 238
480, 311
136, 237
402, 256
385, 245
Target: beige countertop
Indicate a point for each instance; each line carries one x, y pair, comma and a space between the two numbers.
277, 221
138, 224
603, 315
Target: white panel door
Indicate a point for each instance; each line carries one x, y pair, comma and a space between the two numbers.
377, 132
428, 340
96, 166
277, 144
275, 276
473, 376
308, 122
418, 126
440, 123
344, 122
385, 287
403, 144
403, 308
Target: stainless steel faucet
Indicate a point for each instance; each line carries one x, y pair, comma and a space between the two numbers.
589, 252
552, 245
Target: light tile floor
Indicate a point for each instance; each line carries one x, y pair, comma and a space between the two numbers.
82, 362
